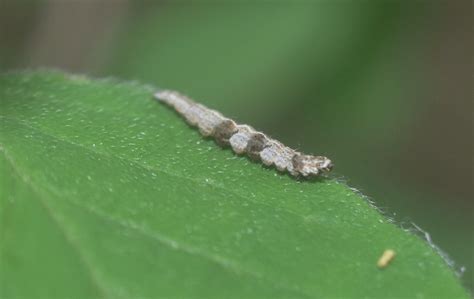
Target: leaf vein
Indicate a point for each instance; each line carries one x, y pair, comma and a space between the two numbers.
225, 263
76, 248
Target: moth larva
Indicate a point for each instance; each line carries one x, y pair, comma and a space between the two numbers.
243, 138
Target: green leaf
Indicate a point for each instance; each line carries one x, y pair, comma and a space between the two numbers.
107, 193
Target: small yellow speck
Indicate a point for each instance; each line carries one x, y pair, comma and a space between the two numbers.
387, 256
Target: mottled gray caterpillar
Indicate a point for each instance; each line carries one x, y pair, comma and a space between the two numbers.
244, 139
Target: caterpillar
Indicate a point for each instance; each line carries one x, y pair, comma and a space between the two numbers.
244, 139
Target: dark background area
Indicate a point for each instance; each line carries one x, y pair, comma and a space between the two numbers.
384, 88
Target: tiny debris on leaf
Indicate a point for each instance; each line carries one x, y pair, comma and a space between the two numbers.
244, 139
387, 256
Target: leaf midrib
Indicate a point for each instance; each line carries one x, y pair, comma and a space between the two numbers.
224, 263
75, 247
165, 171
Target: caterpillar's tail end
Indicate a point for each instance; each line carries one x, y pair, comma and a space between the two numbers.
162, 95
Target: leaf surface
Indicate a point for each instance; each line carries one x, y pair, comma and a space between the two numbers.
107, 193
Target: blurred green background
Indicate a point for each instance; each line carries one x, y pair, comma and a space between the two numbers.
381, 87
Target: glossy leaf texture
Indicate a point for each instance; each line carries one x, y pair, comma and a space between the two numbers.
106, 193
